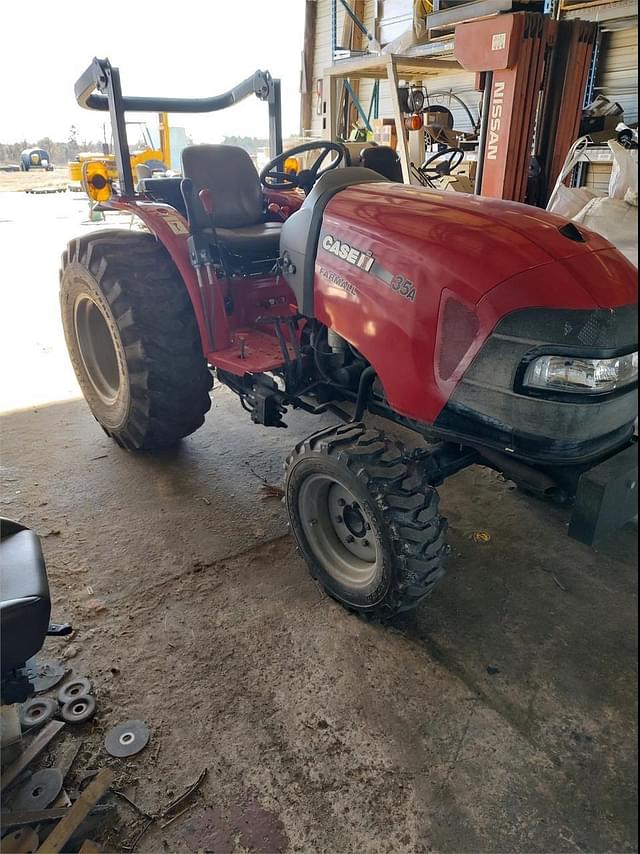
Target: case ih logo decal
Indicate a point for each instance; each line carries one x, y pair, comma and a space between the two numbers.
337, 280
354, 256
367, 262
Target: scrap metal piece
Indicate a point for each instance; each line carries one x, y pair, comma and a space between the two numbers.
37, 711
44, 674
63, 800
68, 756
78, 710
78, 687
22, 841
39, 791
127, 739
19, 819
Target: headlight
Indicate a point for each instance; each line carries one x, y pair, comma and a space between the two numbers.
568, 374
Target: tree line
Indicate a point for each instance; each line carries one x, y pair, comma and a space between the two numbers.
59, 152
62, 152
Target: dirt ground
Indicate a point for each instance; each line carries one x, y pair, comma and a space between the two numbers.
501, 716
36, 180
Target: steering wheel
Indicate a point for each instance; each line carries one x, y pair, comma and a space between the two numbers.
278, 179
443, 162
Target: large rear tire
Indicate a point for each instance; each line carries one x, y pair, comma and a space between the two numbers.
365, 519
133, 339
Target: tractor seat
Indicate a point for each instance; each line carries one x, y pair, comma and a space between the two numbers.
383, 160
252, 241
238, 202
165, 190
25, 604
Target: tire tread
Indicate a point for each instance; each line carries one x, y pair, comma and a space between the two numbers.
409, 506
168, 374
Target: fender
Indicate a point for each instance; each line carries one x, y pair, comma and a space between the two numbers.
172, 231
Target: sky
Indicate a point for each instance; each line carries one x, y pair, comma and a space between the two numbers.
191, 48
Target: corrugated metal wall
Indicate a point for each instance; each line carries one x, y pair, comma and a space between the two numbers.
396, 17
321, 59
461, 83
322, 56
617, 76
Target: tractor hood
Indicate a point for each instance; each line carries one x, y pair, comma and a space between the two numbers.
474, 243
417, 281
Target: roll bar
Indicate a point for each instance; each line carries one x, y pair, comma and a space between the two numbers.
105, 78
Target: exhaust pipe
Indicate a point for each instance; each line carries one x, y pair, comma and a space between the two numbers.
521, 473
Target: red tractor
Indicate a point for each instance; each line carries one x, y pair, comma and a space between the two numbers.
500, 334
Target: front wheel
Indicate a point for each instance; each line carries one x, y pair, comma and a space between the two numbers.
365, 520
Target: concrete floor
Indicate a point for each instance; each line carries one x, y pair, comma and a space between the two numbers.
499, 717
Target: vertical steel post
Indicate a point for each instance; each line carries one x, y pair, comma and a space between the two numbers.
484, 127
275, 119
334, 30
119, 130
580, 172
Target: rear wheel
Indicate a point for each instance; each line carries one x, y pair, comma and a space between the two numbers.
365, 519
133, 339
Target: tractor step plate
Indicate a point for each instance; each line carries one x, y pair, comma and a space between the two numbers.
251, 352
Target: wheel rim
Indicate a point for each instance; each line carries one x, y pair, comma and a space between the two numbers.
97, 349
339, 532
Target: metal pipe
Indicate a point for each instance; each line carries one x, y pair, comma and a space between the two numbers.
484, 128
119, 130
367, 378
518, 471
475, 123
356, 20
358, 106
97, 75
275, 119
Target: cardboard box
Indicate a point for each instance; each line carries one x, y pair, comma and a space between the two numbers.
384, 132
456, 183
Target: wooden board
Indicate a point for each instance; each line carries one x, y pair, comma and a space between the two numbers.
55, 842
377, 67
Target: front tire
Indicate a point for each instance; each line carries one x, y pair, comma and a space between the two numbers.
365, 520
133, 340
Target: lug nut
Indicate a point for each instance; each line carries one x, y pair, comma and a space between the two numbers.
313, 522
341, 502
339, 519
365, 543
350, 539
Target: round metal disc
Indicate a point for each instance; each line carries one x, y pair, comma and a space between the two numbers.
39, 791
37, 711
44, 674
127, 739
78, 687
78, 710
22, 841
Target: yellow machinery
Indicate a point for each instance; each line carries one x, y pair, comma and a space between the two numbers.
91, 163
